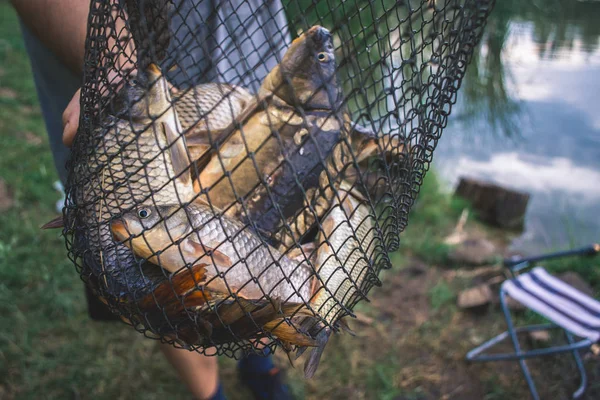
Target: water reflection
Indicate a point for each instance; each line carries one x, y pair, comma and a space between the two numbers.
535, 80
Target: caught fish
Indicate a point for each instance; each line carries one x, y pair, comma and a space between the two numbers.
363, 161
175, 236
146, 153
230, 263
344, 259
142, 160
273, 152
203, 110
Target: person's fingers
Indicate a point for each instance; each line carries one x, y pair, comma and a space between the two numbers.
70, 119
172, 89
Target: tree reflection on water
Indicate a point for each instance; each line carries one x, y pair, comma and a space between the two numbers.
557, 26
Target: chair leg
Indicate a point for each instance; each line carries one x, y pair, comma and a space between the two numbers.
582, 372
517, 346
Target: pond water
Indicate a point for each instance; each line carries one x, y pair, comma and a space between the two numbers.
528, 117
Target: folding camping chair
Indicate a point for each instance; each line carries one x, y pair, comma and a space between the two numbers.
577, 314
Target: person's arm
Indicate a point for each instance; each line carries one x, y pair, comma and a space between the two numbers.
60, 24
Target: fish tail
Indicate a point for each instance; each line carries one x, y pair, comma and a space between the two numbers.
55, 223
312, 363
345, 327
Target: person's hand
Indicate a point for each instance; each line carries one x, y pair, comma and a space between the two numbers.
70, 119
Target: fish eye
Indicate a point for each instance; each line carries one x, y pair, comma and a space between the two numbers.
143, 213
323, 57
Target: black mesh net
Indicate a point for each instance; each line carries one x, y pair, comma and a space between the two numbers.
231, 188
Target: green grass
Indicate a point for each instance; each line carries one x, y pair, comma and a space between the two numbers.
441, 295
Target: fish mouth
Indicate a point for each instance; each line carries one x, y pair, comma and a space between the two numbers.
119, 230
319, 34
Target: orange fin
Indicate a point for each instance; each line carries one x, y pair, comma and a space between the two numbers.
55, 223
181, 284
187, 280
216, 256
366, 150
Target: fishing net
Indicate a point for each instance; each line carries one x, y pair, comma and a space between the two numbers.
243, 169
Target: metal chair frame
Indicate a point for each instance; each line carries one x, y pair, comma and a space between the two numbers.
516, 265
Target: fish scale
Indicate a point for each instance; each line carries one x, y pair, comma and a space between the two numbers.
130, 171
254, 268
347, 245
134, 166
210, 106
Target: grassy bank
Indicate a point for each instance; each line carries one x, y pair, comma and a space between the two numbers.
410, 340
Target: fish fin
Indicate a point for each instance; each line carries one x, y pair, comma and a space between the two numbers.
197, 136
328, 226
217, 256
366, 150
55, 223
312, 363
290, 359
300, 252
344, 326
204, 160
179, 155
196, 152
188, 279
285, 332
300, 351
201, 135
236, 310
348, 206
181, 284
287, 347
360, 132
316, 288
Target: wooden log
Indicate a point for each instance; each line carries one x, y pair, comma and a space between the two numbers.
494, 204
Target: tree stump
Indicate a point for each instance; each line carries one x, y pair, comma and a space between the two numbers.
495, 205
